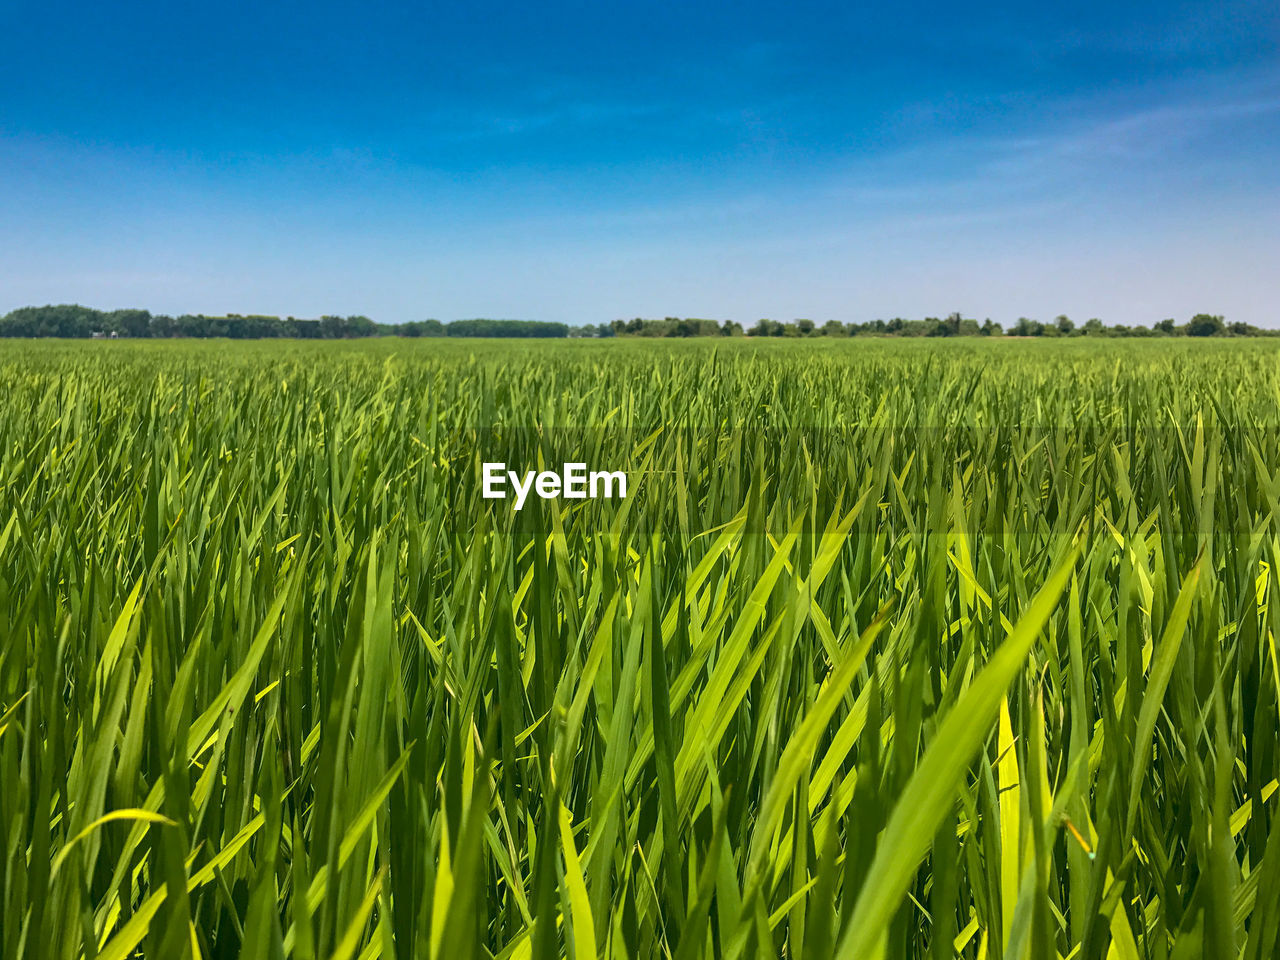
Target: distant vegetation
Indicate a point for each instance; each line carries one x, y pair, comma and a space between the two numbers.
505, 328
74, 321
955, 325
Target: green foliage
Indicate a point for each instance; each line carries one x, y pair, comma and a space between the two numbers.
673, 327
420, 328
1205, 325
505, 328
76, 322
65, 320
897, 649
72, 322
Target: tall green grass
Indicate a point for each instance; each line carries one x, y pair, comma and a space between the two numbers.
896, 650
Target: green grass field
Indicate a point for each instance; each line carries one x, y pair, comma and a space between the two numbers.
896, 649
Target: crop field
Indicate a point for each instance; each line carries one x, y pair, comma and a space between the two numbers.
893, 650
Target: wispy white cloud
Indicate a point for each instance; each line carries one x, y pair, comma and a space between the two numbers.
1144, 133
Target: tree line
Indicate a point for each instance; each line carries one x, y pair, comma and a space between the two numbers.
955, 325
75, 321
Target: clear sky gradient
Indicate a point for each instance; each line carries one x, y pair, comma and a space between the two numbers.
586, 161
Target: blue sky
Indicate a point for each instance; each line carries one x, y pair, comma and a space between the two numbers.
586, 161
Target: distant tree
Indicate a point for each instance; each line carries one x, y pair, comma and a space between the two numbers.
1205, 325
129, 323
951, 326
74, 320
302, 329
190, 325
666, 327
256, 327
63, 320
506, 328
691, 327
421, 328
